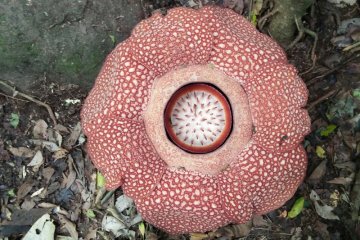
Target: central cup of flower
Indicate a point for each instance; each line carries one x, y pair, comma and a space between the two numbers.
198, 118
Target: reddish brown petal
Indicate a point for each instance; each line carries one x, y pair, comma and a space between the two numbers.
261, 181
182, 37
276, 96
239, 49
184, 202
121, 150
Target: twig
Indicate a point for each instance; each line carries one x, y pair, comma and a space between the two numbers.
313, 80
303, 30
15, 92
263, 19
351, 46
18, 99
322, 98
313, 55
107, 197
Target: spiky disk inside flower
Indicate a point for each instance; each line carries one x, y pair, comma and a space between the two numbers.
198, 118
255, 170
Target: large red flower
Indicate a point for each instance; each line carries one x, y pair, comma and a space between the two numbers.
199, 117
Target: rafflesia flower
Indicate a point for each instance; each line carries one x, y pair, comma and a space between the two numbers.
199, 117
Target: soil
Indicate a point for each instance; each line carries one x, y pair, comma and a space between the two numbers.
64, 183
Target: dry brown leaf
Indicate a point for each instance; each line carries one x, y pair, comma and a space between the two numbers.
70, 178
52, 147
61, 128
40, 129
54, 136
37, 161
69, 226
151, 236
323, 210
259, 221
61, 153
24, 189
342, 180
74, 136
22, 152
346, 165
47, 173
37, 192
321, 229
47, 205
198, 236
319, 171
92, 234
28, 204
235, 231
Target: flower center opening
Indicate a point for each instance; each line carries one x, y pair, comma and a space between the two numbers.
198, 118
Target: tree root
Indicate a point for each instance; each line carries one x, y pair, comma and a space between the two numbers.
14, 93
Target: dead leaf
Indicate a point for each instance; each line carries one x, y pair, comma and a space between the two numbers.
343, 180
259, 221
235, 231
321, 229
37, 161
355, 197
52, 147
319, 171
24, 189
335, 198
47, 173
91, 234
40, 129
70, 178
28, 204
198, 236
54, 136
42, 229
151, 236
47, 205
71, 140
323, 210
123, 202
112, 224
61, 153
22, 152
346, 165
37, 192
61, 128
69, 226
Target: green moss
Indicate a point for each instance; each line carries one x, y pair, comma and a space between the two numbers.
79, 63
18, 54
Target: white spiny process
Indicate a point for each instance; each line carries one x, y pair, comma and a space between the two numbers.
198, 118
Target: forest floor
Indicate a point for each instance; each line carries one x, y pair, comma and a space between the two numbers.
45, 169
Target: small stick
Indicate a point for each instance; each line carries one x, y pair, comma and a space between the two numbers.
17, 99
320, 99
339, 66
15, 92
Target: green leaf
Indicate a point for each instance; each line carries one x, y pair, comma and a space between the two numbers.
142, 229
11, 193
112, 37
14, 120
320, 152
356, 93
100, 180
253, 19
296, 208
90, 213
328, 130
